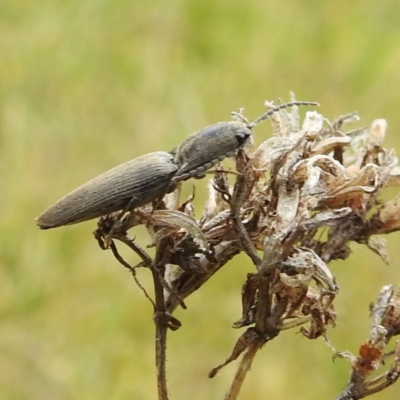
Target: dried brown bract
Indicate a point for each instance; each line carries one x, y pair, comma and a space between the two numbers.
372, 353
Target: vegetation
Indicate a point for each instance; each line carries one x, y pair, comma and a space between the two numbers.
87, 85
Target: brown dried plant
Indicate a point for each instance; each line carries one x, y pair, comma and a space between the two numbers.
297, 202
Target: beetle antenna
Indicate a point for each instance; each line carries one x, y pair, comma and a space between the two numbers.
282, 106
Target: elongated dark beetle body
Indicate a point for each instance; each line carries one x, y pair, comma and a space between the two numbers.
203, 149
134, 184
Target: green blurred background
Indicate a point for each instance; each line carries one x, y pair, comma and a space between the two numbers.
88, 84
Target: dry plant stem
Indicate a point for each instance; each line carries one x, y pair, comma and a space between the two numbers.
194, 282
243, 186
241, 373
264, 332
160, 338
385, 322
359, 391
161, 319
114, 250
147, 262
245, 241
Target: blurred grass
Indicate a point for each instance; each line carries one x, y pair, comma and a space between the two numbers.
86, 85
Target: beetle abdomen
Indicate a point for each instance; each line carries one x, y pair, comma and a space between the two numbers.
139, 181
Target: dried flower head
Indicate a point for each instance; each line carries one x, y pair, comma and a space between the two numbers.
298, 200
